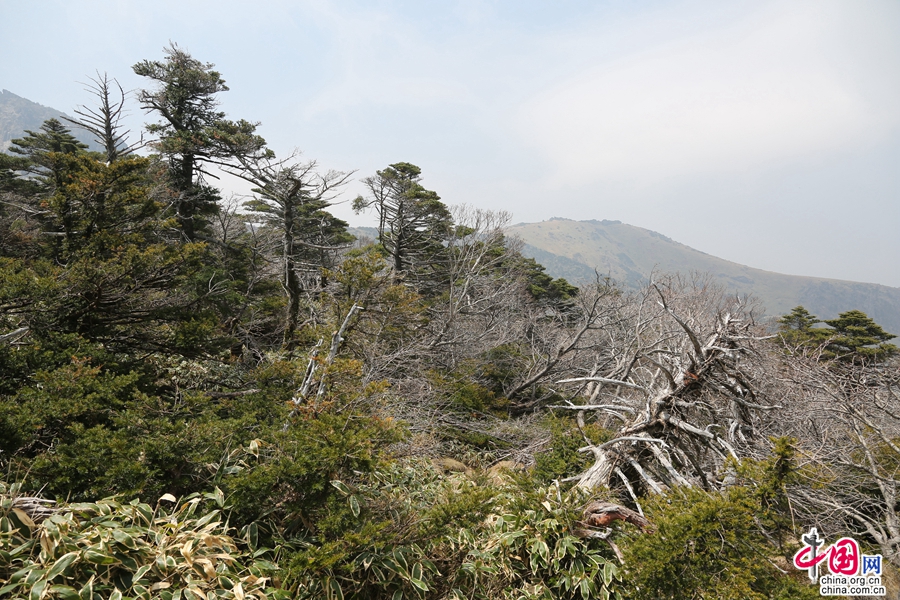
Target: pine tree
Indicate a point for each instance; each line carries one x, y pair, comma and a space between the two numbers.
192, 132
857, 338
798, 329
852, 337
412, 221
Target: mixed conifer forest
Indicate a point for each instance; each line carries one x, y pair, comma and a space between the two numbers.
214, 397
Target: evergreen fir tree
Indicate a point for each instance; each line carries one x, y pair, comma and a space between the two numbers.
857, 338
192, 132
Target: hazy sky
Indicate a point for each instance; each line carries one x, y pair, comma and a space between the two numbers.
767, 133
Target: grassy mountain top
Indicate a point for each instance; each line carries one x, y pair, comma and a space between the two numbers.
629, 254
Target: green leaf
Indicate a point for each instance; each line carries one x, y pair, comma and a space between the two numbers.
354, 506
608, 572
334, 589
61, 565
207, 518
98, 558
341, 487
87, 592
64, 592
124, 539
140, 573
37, 590
585, 588
253, 536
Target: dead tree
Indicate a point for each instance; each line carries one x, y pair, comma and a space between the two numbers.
847, 421
560, 340
678, 380
479, 298
104, 120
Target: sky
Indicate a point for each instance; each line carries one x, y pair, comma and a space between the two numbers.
766, 133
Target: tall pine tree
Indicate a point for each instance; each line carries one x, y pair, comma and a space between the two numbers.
193, 133
413, 223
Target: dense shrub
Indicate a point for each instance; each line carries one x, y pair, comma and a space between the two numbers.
110, 549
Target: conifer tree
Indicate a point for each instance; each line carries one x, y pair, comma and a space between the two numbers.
193, 133
292, 198
852, 337
412, 221
41, 152
856, 337
798, 328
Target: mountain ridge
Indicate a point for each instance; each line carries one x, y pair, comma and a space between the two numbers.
18, 114
629, 254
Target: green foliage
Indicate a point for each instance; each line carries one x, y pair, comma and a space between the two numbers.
528, 551
857, 338
412, 221
543, 288
500, 366
718, 545
40, 169
797, 329
192, 131
562, 459
407, 532
287, 482
86, 430
852, 338
113, 549
106, 271
393, 312
709, 546
767, 481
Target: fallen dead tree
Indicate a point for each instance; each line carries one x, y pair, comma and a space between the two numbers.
679, 387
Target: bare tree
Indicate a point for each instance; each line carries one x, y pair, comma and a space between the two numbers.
479, 296
679, 378
563, 339
104, 120
847, 421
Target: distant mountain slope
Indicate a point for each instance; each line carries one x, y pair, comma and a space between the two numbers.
573, 249
18, 114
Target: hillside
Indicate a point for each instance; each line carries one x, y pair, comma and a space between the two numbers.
18, 114
574, 249
202, 401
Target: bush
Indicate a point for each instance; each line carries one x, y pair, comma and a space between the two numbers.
707, 545
109, 549
409, 532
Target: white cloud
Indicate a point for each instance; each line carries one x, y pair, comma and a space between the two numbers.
731, 100
382, 58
